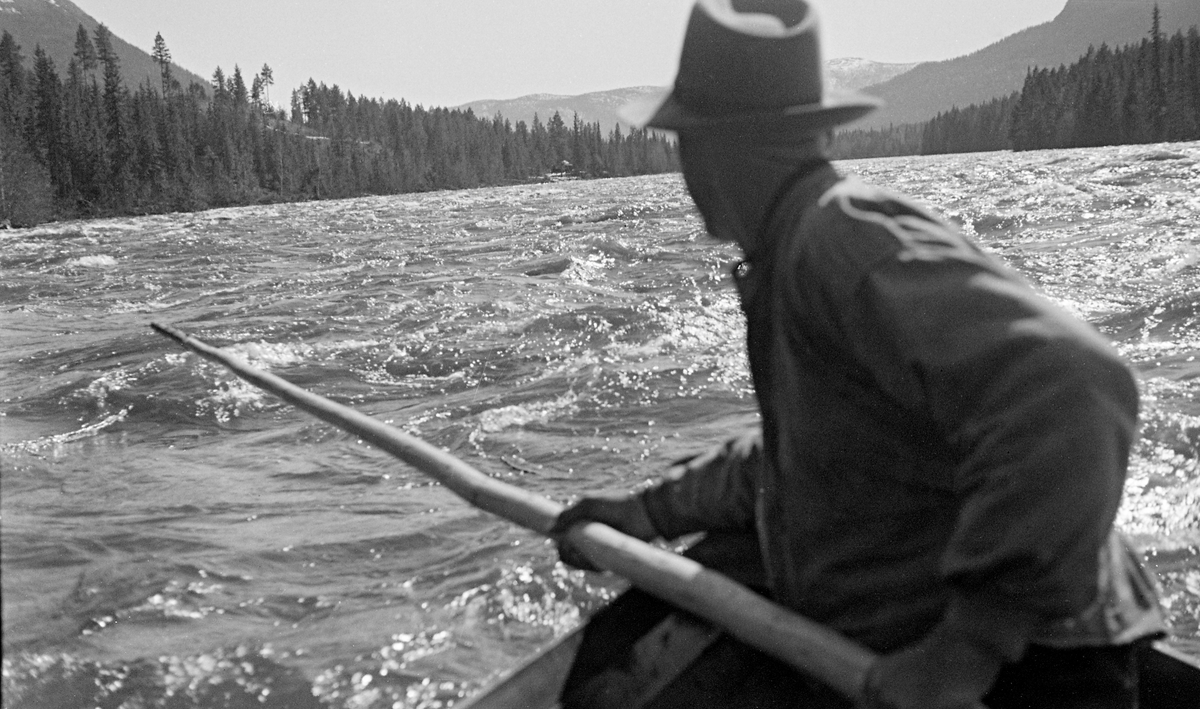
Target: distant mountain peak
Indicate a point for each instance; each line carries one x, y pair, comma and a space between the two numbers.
849, 73
593, 107
855, 62
541, 97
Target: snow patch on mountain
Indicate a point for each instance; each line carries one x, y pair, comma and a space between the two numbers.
851, 73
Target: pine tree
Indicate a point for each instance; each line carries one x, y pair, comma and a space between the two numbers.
85, 51
46, 126
116, 123
12, 82
559, 140
148, 168
256, 92
105, 54
1192, 78
268, 80
162, 57
26, 193
578, 152
237, 88
219, 86
539, 146
1158, 94
297, 115
311, 104
1177, 118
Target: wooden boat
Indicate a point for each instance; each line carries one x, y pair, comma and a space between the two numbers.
640, 652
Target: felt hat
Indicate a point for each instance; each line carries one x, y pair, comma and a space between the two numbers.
750, 66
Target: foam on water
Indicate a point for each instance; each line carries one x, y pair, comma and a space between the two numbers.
494, 420
98, 261
38, 445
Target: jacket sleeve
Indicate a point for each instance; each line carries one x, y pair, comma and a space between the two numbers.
711, 491
1038, 407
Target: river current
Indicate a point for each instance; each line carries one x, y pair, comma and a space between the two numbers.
172, 537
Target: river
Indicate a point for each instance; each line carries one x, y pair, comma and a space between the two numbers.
172, 537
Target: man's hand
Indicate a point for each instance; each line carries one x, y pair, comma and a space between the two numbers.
940, 672
623, 512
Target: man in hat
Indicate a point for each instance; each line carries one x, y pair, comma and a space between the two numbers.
942, 451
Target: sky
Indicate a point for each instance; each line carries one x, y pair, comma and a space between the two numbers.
450, 52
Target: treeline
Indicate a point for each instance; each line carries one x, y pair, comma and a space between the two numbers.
84, 144
1141, 93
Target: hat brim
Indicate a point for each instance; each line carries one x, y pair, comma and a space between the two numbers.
663, 110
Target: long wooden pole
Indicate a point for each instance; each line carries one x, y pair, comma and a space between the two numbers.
805, 645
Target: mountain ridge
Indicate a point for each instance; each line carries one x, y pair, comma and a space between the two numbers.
601, 106
1000, 68
592, 107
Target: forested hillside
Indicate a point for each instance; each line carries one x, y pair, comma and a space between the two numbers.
83, 143
999, 69
1141, 93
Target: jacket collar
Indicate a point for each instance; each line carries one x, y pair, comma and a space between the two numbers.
809, 181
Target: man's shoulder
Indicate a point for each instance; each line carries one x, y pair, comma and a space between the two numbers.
869, 209
858, 224
851, 230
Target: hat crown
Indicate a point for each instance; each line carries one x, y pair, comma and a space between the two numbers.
751, 56
752, 67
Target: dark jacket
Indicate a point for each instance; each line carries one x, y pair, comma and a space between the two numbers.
934, 434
